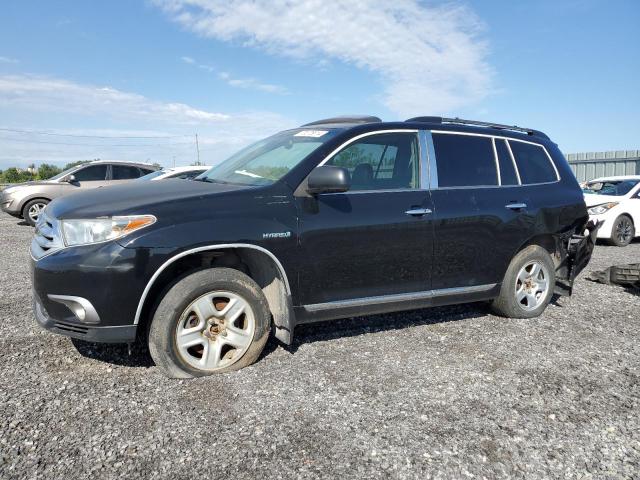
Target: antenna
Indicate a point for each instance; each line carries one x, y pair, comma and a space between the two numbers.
198, 150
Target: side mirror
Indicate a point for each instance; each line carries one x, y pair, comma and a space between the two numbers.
70, 179
328, 179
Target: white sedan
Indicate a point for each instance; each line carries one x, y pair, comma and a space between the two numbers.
186, 173
616, 200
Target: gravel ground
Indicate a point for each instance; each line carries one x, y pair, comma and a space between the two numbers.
441, 393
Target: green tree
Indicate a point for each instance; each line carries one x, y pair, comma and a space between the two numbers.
47, 171
75, 164
13, 175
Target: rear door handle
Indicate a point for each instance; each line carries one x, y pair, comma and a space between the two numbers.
418, 212
516, 206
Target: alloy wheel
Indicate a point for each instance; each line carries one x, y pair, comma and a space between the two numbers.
215, 330
35, 210
623, 230
532, 285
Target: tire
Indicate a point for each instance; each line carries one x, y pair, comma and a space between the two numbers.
622, 231
223, 311
32, 210
522, 294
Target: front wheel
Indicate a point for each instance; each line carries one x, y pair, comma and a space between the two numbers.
211, 321
33, 209
528, 285
623, 231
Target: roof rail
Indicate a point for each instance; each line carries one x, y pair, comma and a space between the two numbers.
476, 123
345, 119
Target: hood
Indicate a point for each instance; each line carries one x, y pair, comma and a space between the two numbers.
30, 183
133, 198
592, 199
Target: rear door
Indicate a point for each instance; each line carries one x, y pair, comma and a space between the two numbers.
481, 213
377, 238
124, 173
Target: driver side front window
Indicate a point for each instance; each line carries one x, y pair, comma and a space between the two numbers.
386, 161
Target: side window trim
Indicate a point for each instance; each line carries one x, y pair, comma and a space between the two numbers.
495, 158
431, 169
513, 160
433, 163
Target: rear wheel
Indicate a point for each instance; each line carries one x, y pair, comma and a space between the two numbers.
528, 285
33, 209
211, 321
623, 231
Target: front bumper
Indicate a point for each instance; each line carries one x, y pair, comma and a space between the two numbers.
9, 205
70, 327
606, 227
107, 279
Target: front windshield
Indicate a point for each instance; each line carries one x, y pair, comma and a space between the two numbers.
267, 161
612, 187
151, 175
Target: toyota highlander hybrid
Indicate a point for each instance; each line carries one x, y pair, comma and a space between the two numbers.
340, 217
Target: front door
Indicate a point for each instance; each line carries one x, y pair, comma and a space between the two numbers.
91, 176
376, 239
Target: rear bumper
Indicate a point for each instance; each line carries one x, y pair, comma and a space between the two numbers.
575, 251
69, 327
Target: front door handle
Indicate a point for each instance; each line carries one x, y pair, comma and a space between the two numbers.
418, 212
516, 206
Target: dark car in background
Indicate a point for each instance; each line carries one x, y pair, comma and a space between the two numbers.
27, 200
341, 217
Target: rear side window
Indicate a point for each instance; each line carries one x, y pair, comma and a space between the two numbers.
464, 160
92, 173
507, 171
533, 163
125, 172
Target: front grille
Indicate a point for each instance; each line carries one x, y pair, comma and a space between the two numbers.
47, 237
68, 327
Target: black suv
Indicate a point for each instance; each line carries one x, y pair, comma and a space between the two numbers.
338, 218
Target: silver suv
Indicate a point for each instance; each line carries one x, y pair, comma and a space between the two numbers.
27, 200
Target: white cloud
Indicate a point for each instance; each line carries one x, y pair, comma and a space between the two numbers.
8, 60
31, 101
248, 83
50, 94
431, 59
252, 83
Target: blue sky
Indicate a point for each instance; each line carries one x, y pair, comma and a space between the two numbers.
234, 71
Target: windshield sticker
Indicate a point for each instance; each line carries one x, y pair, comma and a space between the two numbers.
311, 133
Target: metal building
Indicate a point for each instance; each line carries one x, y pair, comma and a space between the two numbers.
587, 166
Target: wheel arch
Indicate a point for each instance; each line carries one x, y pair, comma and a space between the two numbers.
257, 262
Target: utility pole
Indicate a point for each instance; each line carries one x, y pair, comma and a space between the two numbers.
174, 161
198, 150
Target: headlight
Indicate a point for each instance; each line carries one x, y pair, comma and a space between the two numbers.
599, 209
82, 232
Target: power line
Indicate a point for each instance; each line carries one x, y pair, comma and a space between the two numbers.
97, 144
36, 132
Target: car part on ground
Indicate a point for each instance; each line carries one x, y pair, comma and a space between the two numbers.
623, 275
